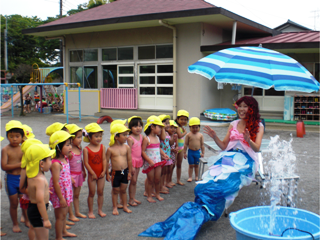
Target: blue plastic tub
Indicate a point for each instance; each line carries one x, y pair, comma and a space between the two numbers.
253, 223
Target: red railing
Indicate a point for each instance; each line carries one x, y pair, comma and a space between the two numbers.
119, 98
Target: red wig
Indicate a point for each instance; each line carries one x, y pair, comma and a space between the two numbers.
252, 117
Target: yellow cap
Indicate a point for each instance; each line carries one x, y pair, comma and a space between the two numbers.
183, 113
73, 128
28, 131
24, 147
58, 137
194, 121
163, 117
92, 128
129, 119
1, 138
54, 127
115, 129
153, 120
13, 124
173, 123
119, 121
34, 155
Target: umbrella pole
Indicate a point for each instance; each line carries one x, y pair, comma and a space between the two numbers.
252, 91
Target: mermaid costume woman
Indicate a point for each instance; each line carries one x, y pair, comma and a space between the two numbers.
228, 173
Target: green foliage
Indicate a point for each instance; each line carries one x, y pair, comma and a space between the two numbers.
96, 3
81, 7
27, 49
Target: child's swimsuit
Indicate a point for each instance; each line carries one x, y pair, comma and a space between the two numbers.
95, 160
76, 169
193, 157
153, 152
64, 183
118, 177
137, 161
173, 154
181, 141
34, 215
12, 183
165, 146
24, 201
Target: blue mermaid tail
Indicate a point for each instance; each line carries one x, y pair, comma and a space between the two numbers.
209, 205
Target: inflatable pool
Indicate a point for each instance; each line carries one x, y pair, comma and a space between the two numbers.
221, 114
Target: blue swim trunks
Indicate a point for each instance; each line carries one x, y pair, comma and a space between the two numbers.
12, 183
193, 157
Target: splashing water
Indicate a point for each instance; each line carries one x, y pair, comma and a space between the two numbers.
280, 169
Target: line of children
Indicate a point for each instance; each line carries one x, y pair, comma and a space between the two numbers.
157, 153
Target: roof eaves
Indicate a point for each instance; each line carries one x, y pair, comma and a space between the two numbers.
153, 16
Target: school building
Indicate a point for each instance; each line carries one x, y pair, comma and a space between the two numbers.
134, 54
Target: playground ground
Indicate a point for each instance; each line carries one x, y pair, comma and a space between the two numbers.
128, 226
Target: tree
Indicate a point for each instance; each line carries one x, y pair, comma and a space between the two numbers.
22, 75
81, 7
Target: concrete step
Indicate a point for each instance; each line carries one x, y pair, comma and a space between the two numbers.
271, 115
126, 113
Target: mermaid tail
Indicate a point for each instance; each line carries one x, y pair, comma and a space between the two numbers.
210, 201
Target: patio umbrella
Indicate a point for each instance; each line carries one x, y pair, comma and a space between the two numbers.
256, 67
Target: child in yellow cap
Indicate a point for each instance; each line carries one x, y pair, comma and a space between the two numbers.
135, 142
151, 155
56, 127
77, 170
38, 161
94, 158
182, 120
60, 182
195, 142
120, 155
11, 163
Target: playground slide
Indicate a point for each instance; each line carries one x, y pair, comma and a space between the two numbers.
16, 98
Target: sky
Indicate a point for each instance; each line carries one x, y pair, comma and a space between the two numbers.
270, 13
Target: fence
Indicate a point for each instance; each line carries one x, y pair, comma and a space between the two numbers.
119, 98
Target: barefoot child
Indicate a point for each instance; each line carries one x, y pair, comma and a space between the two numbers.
11, 163
151, 154
77, 170
135, 142
182, 120
94, 158
38, 158
174, 149
165, 147
60, 182
24, 201
194, 141
120, 155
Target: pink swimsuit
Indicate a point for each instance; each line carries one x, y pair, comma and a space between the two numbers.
76, 169
64, 183
137, 161
153, 152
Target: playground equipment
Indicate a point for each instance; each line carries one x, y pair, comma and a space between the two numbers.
32, 85
104, 118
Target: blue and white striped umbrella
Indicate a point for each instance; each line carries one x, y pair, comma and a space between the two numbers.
257, 67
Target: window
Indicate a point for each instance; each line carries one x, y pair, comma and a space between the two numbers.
109, 54
147, 52
90, 77
76, 56
164, 51
125, 53
256, 91
109, 76
76, 75
125, 76
90, 55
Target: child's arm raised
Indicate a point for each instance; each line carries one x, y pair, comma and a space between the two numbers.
202, 145
162, 135
185, 147
104, 163
108, 156
55, 170
129, 161
4, 162
143, 151
86, 164
40, 187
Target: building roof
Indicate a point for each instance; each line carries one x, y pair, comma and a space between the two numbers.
291, 23
310, 39
125, 8
126, 14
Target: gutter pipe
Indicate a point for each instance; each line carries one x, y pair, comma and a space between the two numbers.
174, 112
